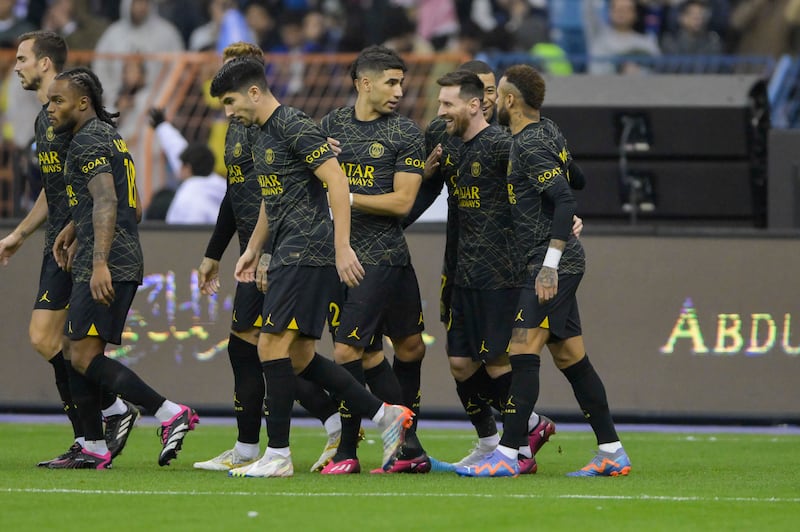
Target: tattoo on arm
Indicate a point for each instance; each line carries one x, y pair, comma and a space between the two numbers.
557, 244
104, 214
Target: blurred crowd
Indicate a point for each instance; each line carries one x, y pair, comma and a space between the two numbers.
601, 36
422, 26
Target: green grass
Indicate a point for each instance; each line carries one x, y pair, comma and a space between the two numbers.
680, 481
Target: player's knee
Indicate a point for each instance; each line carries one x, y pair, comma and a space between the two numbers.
499, 367
80, 362
565, 358
462, 368
46, 343
411, 349
343, 353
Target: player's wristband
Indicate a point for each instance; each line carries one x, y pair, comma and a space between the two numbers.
351, 199
552, 258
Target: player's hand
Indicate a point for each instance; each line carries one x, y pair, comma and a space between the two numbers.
8, 246
208, 276
546, 285
245, 271
432, 162
61, 247
100, 284
70, 255
261, 271
336, 146
577, 226
351, 272
156, 115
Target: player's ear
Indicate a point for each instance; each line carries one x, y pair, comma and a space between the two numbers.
475, 105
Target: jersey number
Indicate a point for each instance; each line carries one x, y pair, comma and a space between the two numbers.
131, 171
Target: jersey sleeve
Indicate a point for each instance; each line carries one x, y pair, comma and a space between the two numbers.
411, 151
307, 141
92, 155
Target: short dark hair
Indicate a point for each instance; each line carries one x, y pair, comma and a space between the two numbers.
470, 84
529, 82
199, 157
237, 75
477, 67
47, 44
376, 58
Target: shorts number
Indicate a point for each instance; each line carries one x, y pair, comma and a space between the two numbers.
334, 311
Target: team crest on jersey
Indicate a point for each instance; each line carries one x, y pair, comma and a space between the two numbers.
376, 150
475, 169
237, 149
50, 134
269, 156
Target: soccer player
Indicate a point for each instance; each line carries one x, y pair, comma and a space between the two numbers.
553, 265
481, 383
107, 268
238, 214
40, 57
486, 276
382, 156
293, 161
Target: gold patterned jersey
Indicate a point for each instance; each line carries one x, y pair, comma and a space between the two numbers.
244, 190
487, 255
286, 151
98, 149
538, 160
372, 153
51, 152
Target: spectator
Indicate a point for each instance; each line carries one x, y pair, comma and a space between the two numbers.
527, 24
319, 34
11, 27
139, 30
262, 23
401, 34
204, 37
134, 77
227, 24
71, 20
200, 189
200, 193
436, 21
766, 27
185, 15
610, 43
692, 36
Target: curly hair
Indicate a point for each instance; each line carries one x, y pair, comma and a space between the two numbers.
529, 82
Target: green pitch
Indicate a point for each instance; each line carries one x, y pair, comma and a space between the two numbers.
680, 481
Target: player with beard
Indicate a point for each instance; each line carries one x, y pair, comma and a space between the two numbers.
309, 251
40, 57
382, 155
239, 214
553, 262
107, 269
480, 386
